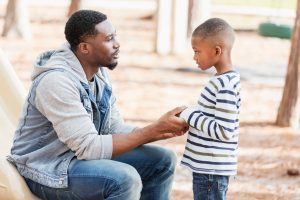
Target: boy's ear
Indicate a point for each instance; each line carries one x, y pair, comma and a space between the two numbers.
218, 50
83, 48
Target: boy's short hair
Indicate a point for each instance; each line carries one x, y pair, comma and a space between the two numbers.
215, 27
81, 24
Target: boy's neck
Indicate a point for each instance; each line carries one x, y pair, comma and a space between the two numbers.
224, 70
224, 65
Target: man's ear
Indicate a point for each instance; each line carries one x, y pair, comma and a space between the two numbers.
83, 47
218, 50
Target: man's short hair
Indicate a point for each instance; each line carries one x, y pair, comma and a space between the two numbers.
82, 24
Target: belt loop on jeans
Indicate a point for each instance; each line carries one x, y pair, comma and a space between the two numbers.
210, 177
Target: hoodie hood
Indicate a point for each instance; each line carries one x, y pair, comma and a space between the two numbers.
62, 58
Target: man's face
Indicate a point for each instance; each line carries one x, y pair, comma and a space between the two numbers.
104, 48
204, 53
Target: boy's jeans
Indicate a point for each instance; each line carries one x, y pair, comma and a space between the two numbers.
210, 187
143, 173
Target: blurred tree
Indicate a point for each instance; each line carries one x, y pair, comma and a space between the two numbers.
288, 112
74, 6
17, 20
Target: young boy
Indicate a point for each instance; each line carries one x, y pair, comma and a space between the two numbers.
210, 151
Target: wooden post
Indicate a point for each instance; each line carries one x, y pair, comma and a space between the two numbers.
288, 112
74, 6
199, 11
171, 27
164, 26
180, 22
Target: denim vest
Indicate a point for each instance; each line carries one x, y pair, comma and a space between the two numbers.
37, 152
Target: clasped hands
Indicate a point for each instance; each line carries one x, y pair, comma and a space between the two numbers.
171, 125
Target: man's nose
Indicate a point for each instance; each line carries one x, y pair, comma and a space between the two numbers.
116, 44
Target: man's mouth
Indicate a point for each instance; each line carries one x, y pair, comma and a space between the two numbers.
116, 54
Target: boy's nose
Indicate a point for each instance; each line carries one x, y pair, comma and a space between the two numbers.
195, 58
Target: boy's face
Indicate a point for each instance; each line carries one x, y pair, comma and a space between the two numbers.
205, 53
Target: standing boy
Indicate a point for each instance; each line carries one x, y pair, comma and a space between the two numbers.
212, 142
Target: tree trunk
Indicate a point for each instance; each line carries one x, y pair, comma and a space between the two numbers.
74, 6
16, 20
288, 112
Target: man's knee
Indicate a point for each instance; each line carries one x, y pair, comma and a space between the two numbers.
170, 159
128, 178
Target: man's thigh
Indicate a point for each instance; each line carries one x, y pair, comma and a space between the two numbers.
94, 179
147, 158
103, 177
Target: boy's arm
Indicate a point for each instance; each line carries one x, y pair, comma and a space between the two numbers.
221, 126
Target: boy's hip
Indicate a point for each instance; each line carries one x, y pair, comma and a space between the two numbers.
210, 186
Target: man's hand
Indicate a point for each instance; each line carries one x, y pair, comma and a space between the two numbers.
171, 123
167, 126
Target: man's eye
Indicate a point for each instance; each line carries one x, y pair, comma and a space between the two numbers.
109, 38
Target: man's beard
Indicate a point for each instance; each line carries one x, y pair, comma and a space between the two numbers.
112, 66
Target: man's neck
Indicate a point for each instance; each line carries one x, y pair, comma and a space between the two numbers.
89, 69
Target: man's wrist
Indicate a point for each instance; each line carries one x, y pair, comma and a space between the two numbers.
144, 134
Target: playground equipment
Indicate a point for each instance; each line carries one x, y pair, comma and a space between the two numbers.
12, 185
272, 29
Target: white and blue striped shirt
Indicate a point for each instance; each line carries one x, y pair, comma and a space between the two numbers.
212, 142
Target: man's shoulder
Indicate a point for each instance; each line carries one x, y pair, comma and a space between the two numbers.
54, 76
55, 79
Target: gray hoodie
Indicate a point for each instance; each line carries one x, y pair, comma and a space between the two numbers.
64, 118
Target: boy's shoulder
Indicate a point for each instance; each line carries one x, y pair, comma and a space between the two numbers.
230, 79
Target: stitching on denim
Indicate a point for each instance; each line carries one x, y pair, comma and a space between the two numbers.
96, 176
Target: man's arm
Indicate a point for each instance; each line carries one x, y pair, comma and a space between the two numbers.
57, 98
168, 125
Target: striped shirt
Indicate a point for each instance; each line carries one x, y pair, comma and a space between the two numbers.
212, 141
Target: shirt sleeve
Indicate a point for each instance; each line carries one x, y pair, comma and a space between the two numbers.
58, 99
117, 122
223, 125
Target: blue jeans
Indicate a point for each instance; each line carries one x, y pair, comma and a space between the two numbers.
210, 187
143, 173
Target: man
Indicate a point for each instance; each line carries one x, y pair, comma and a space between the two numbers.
71, 142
